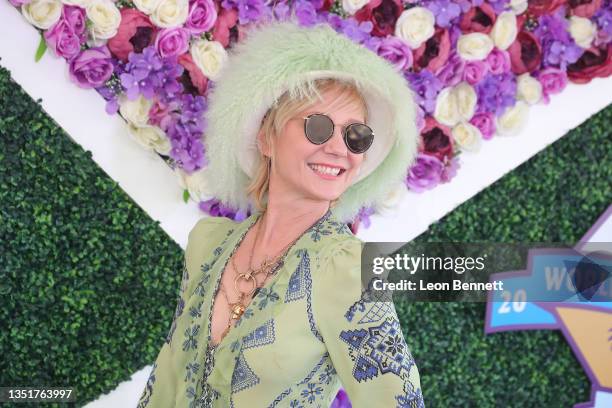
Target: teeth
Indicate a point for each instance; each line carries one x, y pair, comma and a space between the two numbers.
325, 170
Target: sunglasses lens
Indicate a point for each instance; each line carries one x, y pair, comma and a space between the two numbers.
359, 137
319, 128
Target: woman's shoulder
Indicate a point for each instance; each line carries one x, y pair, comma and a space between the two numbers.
208, 232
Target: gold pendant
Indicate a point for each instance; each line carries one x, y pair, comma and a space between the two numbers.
237, 309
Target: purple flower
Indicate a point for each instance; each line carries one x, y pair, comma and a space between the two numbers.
305, 13
149, 74
558, 46
425, 173
426, 87
553, 81
342, 400
451, 73
396, 51
603, 19
496, 93
281, 11
112, 88
92, 67
202, 16
216, 209
444, 10
498, 61
172, 42
450, 170
364, 216
18, 3
75, 17
62, 39
474, 71
248, 10
485, 122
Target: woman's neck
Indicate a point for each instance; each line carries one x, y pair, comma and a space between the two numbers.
282, 223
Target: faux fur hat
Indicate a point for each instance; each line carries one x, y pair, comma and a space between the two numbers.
283, 56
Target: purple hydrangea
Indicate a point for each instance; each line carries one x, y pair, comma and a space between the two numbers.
306, 13
216, 209
558, 46
496, 93
444, 10
149, 74
248, 10
426, 87
603, 19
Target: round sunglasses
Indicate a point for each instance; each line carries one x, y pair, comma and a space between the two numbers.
319, 128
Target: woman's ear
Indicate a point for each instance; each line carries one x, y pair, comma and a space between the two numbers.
261, 143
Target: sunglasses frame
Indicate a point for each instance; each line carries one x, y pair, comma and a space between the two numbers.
344, 132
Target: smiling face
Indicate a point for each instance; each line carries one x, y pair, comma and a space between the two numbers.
301, 169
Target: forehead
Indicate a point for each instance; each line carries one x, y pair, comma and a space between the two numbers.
337, 104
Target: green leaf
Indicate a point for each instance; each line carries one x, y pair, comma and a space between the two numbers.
42, 47
185, 195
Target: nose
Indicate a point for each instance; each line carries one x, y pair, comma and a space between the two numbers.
335, 145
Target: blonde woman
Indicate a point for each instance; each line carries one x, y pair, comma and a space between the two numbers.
305, 127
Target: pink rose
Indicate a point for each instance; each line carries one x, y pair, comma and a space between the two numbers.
485, 122
553, 81
75, 17
92, 67
135, 33
498, 61
396, 51
474, 71
62, 39
172, 42
202, 16
195, 74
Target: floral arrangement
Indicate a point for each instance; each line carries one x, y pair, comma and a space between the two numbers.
475, 66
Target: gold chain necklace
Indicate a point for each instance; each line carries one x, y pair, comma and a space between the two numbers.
269, 267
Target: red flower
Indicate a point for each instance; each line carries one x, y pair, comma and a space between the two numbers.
525, 53
540, 7
584, 8
436, 140
195, 74
433, 53
226, 19
595, 62
383, 14
135, 33
478, 19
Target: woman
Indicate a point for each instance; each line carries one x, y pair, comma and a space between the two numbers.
307, 127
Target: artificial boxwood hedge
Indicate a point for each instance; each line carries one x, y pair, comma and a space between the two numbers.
88, 281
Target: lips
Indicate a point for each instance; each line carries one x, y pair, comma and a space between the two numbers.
326, 170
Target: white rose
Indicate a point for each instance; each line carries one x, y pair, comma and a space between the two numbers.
195, 183
209, 56
513, 119
467, 136
80, 3
582, 30
105, 19
42, 13
146, 6
170, 13
528, 89
465, 97
351, 6
393, 199
447, 111
474, 46
150, 137
518, 6
415, 26
135, 112
504, 30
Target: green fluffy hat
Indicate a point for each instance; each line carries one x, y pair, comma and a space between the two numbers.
282, 56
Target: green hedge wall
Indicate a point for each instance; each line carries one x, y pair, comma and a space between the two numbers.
89, 282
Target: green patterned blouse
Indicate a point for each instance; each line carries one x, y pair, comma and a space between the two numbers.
305, 334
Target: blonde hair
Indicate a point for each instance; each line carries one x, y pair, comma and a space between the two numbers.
279, 114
